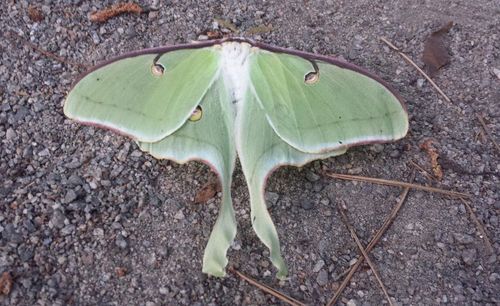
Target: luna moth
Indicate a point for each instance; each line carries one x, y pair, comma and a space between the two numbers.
220, 100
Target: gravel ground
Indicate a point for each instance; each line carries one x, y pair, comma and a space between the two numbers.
87, 219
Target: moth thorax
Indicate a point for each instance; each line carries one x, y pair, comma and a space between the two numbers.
235, 68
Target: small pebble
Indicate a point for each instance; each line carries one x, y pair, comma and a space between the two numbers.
306, 204
312, 177
271, 198
463, 238
58, 218
98, 232
179, 215
10, 134
318, 266
322, 278
70, 196
121, 242
352, 302
469, 256
420, 83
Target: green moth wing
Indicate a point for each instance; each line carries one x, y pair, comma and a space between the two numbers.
258, 159
318, 106
147, 96
209, 139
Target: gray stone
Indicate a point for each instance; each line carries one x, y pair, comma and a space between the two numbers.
10, 134
377, 148
121, 242
463, 238
318, 266
469, 256
420, 82
58, 218
73, 164
312, 177
271, 198
494, 277
68, 229
163, 291
75, 180
38, 107
76, 206
70, 196
122, 154
21, 113
322, 278
44, 152
395, 154
179, 215
95, 38
352, 302
98, 232
29, 226
307, 203
25, 252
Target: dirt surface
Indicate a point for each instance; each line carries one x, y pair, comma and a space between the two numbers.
87, 219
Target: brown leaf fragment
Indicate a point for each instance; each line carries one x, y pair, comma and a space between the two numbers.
121, 271
436, 54
5, 283
211, 34
115, 10
214, 34
35, 14
428, 146
208, 191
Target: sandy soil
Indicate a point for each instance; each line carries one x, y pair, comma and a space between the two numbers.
87, 219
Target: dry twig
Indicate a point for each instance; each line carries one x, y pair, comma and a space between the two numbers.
365, 254
411, 62
487, 131
267, 289
397, 183
472, 214
424, 172
12, 35
388, 221
479, 226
